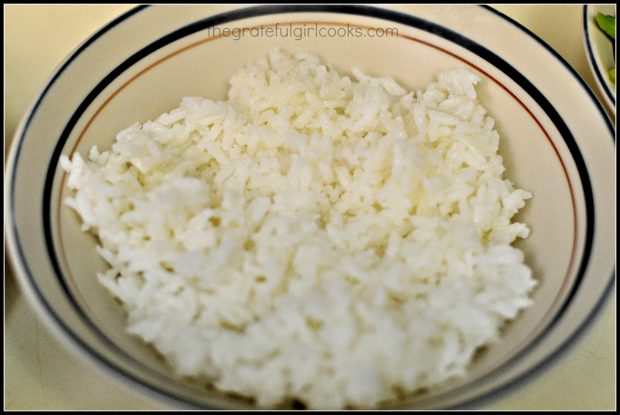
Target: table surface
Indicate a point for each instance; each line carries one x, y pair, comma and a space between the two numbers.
41, 374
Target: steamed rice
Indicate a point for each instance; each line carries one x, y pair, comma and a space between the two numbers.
334, 239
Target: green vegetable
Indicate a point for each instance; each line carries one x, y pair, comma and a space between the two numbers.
607, 23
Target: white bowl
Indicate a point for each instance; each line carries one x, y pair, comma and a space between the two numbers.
600, 51
556, 143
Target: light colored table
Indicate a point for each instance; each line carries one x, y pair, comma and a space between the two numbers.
41, 374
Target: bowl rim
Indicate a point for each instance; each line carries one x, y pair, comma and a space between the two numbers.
23, 272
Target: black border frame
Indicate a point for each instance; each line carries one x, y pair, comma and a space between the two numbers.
344, 9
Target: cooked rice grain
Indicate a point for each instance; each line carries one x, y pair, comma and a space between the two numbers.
323, 237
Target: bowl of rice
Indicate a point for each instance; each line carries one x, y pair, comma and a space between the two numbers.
323, 207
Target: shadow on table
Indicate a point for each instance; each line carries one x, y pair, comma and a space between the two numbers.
11, 290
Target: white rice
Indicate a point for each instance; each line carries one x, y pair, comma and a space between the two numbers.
339, 240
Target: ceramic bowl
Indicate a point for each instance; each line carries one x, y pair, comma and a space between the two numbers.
555, 140
600, 51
